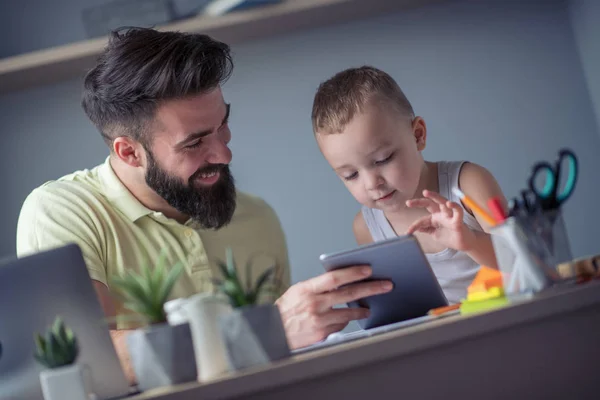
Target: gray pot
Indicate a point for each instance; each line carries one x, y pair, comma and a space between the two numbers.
162, 355
254, 335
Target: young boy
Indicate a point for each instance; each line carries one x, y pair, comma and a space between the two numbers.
367, 131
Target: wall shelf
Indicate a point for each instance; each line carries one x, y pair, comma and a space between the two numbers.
73, 60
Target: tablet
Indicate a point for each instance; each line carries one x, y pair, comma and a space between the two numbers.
402, 261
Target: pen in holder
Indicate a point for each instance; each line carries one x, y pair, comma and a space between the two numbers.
528, 248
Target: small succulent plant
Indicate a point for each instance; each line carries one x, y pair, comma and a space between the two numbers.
232, 287
57, 347
145, 293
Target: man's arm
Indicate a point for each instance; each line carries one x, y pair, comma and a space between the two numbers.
56, 215
118, 336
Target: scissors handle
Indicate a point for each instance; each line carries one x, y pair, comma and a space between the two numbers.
550, 180
550, 196
572, 174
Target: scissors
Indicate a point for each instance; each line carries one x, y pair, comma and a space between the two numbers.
550, 196
525, 206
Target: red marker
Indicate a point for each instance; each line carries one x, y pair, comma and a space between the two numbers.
496, 209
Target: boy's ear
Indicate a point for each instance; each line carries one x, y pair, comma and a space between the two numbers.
420, 131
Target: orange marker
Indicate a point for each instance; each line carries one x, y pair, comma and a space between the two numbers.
443, 310
475, 207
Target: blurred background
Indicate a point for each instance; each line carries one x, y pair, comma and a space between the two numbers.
500, 83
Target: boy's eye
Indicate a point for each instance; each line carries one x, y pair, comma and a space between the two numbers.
388, 158
351, 176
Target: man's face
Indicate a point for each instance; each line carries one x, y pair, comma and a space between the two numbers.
188, 158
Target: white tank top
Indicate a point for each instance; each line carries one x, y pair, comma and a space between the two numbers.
455, 270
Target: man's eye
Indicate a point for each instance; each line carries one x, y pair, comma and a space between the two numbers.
194, 145
351, 176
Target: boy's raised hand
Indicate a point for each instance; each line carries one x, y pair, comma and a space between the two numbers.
444, 222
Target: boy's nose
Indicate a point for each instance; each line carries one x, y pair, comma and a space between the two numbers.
373, 181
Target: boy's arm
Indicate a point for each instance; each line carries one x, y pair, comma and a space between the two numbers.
479, 184
361, 231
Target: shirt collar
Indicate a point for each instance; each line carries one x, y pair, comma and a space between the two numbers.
119, 195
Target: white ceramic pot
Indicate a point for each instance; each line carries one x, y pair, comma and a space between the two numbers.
203, 312
65, 383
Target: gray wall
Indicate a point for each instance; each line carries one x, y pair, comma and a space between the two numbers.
498, 84
585, 19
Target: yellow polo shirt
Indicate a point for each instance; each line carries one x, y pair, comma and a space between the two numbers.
115, 232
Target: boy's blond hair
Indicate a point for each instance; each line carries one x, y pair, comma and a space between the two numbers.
348, 92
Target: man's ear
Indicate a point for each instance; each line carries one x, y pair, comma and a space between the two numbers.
129, 151
420, 132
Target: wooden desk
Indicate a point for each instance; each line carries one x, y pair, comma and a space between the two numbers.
546, 348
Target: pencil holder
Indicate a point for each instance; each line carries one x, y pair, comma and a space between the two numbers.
529, 249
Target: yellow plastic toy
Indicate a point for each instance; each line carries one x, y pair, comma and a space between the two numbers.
486, 292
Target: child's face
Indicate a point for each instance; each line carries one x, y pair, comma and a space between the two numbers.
378, 157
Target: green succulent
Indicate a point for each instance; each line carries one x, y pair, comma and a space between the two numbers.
232, 287
58, 347
145, 293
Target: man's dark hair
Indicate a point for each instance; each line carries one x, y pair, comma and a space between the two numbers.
141, 68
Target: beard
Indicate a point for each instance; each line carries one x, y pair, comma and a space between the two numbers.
212, 206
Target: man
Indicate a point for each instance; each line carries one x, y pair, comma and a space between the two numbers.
155, 97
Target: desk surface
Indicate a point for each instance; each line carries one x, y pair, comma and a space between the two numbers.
525, 343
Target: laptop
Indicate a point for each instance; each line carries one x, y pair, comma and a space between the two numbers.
33, 291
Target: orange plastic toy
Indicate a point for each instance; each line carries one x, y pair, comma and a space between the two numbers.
485, 279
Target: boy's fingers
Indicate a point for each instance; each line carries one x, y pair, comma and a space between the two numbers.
458, 212
436, 197
421, 223
446, 211
428, 204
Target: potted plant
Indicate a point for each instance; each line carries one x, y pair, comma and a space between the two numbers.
57, 350
161, 354
253, 332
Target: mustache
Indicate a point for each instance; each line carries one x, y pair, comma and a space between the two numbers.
209, 169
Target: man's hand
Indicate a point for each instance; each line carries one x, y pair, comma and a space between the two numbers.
307, 307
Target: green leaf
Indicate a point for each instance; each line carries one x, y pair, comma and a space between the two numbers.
249, 264
236, 296
159, 272
145, 309
59, 332
263, 279
129, 289
147, 275
143, 284
40, 343
41, 358
231, 267
169, 282
51, 350
223, 268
